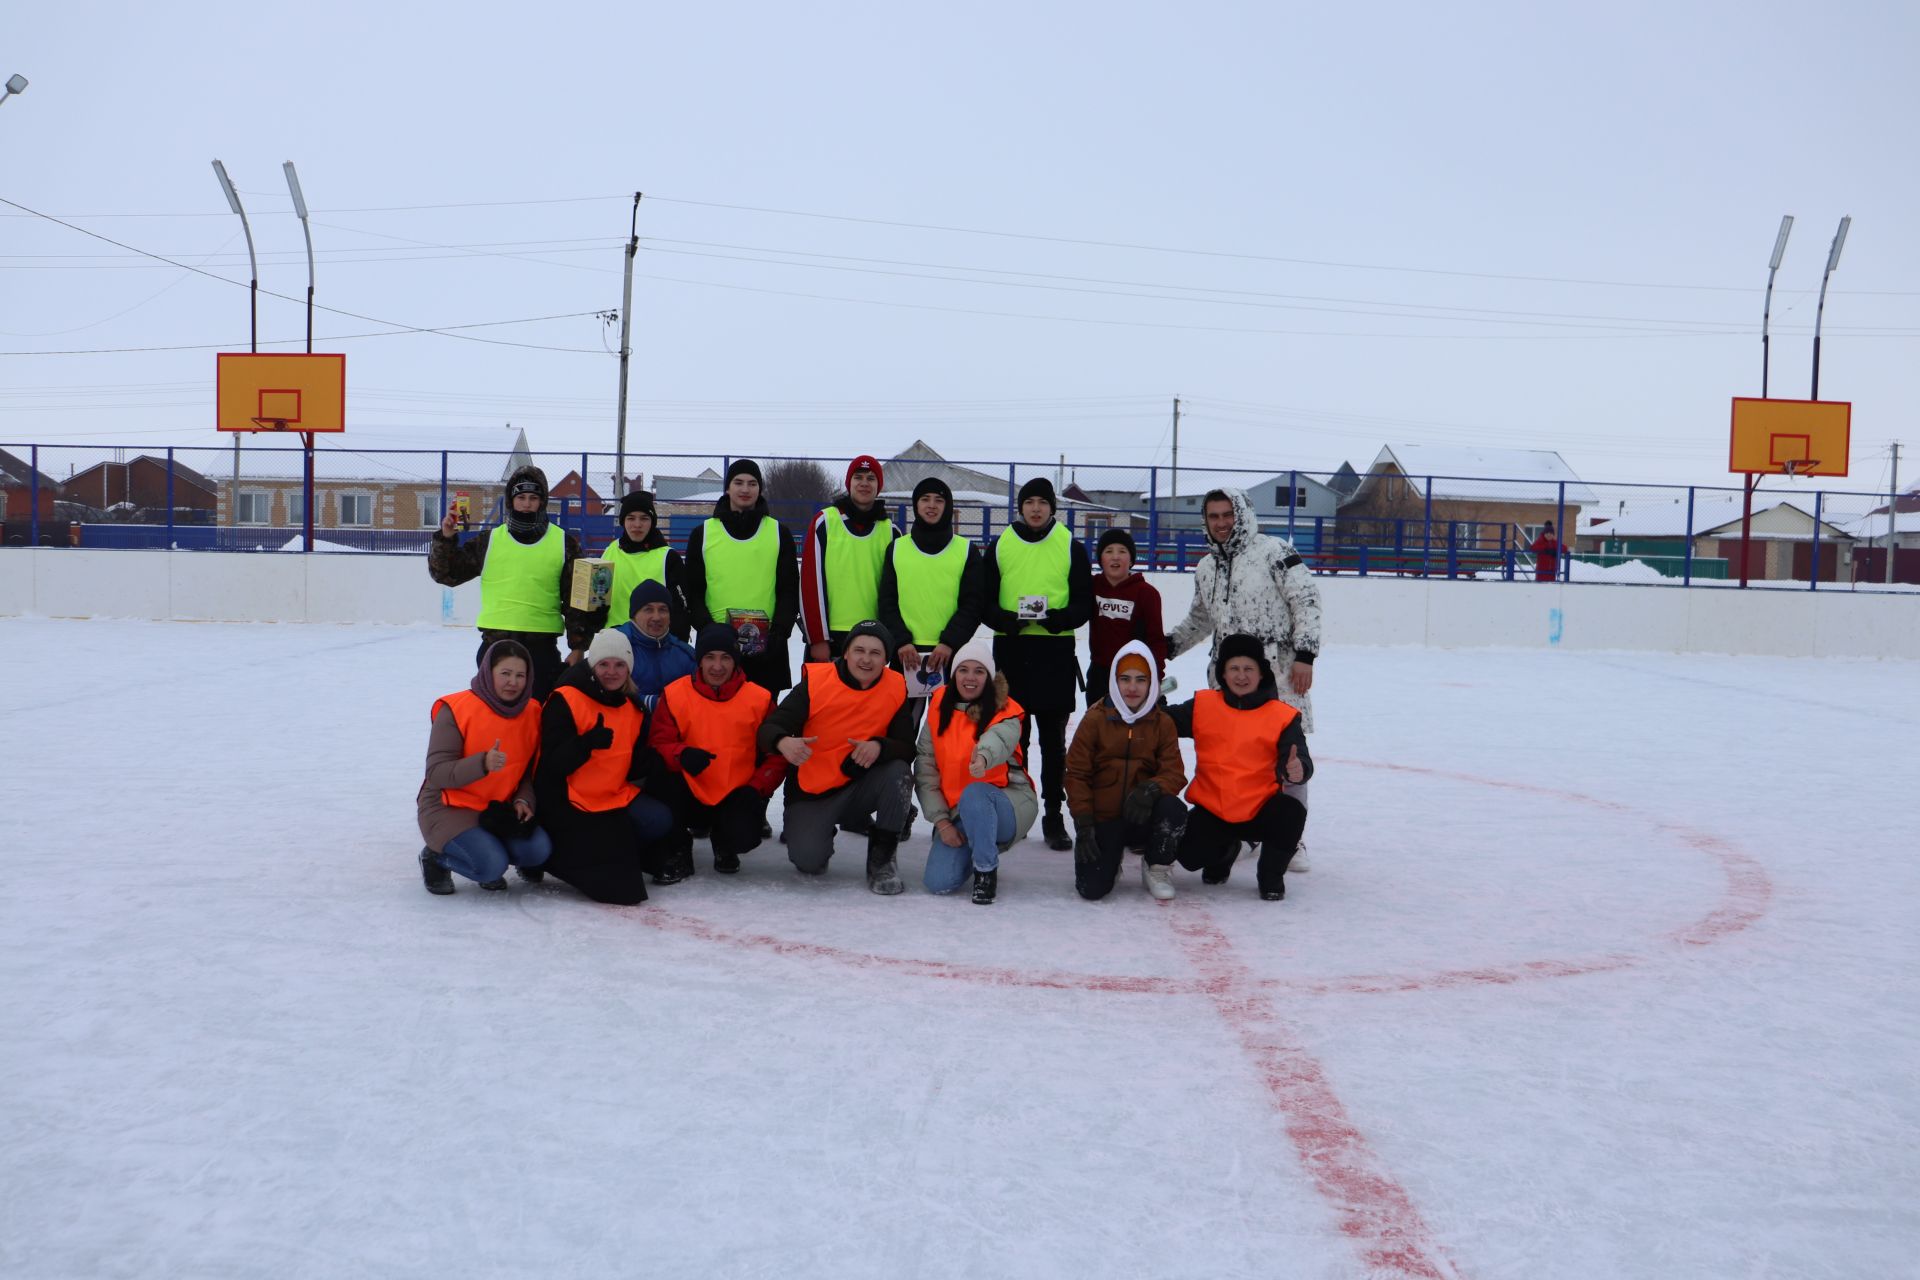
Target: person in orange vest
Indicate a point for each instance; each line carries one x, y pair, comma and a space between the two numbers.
593, 755
476, 805
1249, 749
971, 775
705, 728
1124, 778
847, 732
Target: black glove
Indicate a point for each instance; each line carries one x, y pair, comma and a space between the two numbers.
694, 760
1137, 809
1086, 849
499, 820
597, 737
1056, 621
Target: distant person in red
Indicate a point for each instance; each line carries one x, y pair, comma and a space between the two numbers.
1546, 554
1125, 607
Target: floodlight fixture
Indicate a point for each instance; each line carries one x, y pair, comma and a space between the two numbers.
1780, 244
1839, 243
293, 187
226, 185
15, 84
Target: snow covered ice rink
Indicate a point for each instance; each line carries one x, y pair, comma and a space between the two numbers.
1605, 968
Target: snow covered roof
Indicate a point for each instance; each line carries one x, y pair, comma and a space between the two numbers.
475, 455
1710, 515
1464, 472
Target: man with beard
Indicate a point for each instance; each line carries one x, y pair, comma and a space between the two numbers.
741, 571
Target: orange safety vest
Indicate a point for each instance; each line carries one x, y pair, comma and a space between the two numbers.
836, 712
1235, 754
953, 750
480, 726
726, 729
601, 783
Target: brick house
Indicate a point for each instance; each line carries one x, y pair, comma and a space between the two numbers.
18, 497
139, 487
373, 479
1478, 500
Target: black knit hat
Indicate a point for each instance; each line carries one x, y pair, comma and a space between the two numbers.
1039, 487
869, 628
1117, 537
637, 500
648, 592
1240, 645
717, 637
932, 484
744, 467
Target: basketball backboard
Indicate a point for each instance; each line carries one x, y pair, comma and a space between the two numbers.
1790, 437
277, 392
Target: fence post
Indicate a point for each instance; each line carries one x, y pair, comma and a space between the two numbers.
1563, 569
1686, 563
1153, 517
1813, 575
169, 497
1013, 487
1363, 559
33, 496
1426, 534
1453, 552
443, 486
1293, 491
1399, 541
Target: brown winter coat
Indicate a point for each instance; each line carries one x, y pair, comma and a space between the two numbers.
1110, 757
449, 766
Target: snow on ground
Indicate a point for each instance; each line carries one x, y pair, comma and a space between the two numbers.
1603, 969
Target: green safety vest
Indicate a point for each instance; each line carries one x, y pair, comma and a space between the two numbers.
741, 572
630, 569
1042, 568
929, 587
852, 567
520, 587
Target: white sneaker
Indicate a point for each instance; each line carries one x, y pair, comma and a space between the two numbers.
1157, 879
1299, 862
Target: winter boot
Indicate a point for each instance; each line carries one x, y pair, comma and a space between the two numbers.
1219, 871
532, 875
1157, 878
985, 883
906, 828
1054, 828
1299, 862
436, 877
883, 873
727, 864
1275, 894
494, 886
766, 831
676, 862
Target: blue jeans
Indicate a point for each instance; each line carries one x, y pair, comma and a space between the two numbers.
985, 818
651, 819
482, 857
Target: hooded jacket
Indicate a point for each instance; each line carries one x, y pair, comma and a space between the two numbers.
1115, 750
1293, 737
1256, 585
770, 668
451, 562
1000, 741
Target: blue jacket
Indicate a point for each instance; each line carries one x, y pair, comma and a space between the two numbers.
656, 663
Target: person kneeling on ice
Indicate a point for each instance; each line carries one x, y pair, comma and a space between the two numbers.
593, 753
1124, 776
476, 805
1249, 748
705, 728
847, 732
970, 775
659, 656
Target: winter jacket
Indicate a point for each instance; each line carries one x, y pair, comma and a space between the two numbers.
1000, 742
449, 767
815, 608
1110, 757
1293, 737
770, 668
675, 569
656, 663
561, 751
789, 720
1258, 585
1130, 611
664, 735
932, 539
451, 562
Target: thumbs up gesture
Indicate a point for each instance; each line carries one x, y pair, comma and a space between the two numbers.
599, 736
1296, 772
496, 758
977, 766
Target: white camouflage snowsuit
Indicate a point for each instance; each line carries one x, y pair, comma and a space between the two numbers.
1259, 586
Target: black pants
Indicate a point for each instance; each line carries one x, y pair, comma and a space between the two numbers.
1209, 839
1053, 754
733, 825
1160, 834
547, 663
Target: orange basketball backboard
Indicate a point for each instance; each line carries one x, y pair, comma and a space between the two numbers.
261, 392
1769, 434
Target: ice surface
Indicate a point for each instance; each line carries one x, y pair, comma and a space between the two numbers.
1605, 968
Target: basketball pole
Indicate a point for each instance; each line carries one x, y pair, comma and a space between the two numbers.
253, 312
626, 353
300, 207
1833, 260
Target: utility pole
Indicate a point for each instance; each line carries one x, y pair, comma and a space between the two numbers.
1173, 489
626, 352
1893, 508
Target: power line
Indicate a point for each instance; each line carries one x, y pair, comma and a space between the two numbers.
446, 330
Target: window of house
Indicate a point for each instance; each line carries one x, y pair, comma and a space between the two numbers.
1280, 496
296, 506
256, 506
429, 510
356, 510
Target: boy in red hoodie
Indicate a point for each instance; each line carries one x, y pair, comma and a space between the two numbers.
1125, 607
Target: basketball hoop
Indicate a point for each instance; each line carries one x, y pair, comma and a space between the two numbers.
1799, 468
280, 424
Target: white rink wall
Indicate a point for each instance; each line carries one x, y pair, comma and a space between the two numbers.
211, 586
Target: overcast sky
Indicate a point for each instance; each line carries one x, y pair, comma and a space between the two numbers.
1325, 227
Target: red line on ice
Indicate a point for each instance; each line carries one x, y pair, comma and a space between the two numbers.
1373, 1210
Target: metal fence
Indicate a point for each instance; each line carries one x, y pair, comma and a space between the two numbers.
254, 497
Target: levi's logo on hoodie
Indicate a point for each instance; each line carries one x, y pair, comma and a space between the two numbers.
1115, 608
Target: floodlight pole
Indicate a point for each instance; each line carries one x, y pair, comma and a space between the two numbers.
1833, 260
626, 353
1766, 313
253, 311
300, 208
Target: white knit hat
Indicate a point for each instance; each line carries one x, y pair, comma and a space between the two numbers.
980, 651
610, 644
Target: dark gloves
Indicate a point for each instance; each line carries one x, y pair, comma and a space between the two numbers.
500, 821
1086, 849
597, 737
1056, 621
1137, 809
694, 760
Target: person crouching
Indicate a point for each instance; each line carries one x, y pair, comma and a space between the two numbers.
1249, 748
969, 769
705, 728
1124, 776
593, 753
476, 805
847, 732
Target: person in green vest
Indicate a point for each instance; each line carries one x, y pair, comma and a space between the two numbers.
840, 561
1036, 591
742, 570
524, 566
930, 584
641, 554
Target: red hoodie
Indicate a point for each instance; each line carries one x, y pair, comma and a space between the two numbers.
1130, 611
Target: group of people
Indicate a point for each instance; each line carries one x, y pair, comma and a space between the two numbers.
605, 766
